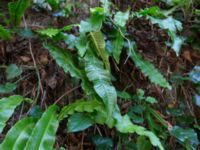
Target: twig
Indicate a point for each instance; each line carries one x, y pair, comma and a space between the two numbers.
66, 93
34, 63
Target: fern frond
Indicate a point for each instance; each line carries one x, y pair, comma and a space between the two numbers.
98, 43
149, 70
7, 107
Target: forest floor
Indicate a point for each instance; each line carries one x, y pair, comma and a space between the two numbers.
57, 87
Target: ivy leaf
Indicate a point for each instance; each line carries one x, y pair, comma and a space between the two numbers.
106, 6
172, 26
177, 42
124, 125
81, 45
4, 34
102, 143
7, 107
13, 71
7, 88
152, 11
187, 136
18, 135
79, 122
43, 135
94, 22
16, 10
148, 69
120, 18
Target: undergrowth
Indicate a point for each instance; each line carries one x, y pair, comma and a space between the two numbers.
86, 56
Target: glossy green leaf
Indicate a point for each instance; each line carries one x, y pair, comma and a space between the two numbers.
151, 11
124, 125
102, 143
106, 6
35, 111
4, 33
143, 143
69, 63
118, 44
148, 70
50, 32
43, 135
98, 43
187, 136
13, 71
54, 3
101, 79
7, 107
81, 45
120, 18
16, 10
80, 106
79, 122
7, 88
94, 23
18, 135
65, 60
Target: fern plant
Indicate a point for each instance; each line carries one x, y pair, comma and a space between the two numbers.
89, 63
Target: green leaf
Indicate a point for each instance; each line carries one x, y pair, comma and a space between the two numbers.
7, 88
98, 43
80, 106
94, 22
43, 135
172, 26
148, 70
143, 144
106, 6
18, 135
102, 143
69, 63
35, 111
177, 42
82, 45
188, 136
65, 60
101, 79
13, 71
151, 100
7, 107
4, 33
54, 3
50, 32
16, 10
118, 44
120, 18
124, 125
152, 11
79, 122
